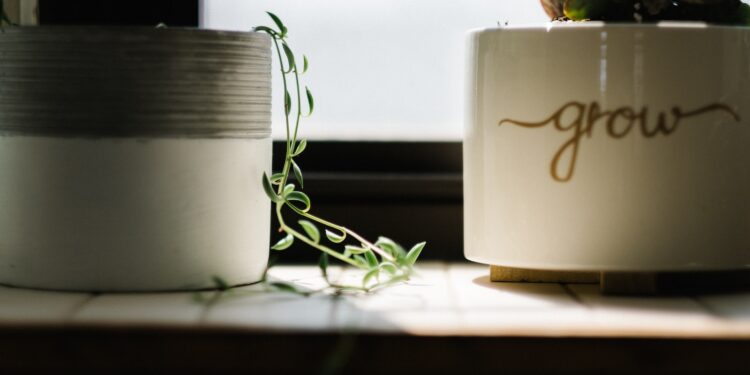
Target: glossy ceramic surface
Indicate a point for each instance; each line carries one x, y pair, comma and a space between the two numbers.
608, 147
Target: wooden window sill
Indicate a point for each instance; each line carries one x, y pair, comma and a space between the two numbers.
449, 316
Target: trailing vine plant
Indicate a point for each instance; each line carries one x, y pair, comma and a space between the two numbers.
384, 262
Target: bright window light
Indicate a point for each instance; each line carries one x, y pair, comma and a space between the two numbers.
379, 69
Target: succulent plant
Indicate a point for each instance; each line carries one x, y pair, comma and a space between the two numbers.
554, 8
654, 7
733, 12
605, 10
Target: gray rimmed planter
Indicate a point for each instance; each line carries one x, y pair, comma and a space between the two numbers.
131, 158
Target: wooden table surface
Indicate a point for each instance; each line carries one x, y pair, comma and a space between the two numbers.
448, 317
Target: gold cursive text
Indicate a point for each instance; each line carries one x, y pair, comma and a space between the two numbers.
618, 122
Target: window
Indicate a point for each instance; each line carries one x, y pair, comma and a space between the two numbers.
380, 69
387, 77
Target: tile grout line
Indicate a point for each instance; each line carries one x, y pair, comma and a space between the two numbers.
705, 306
452, 296
78, 307
573, 295
203, 316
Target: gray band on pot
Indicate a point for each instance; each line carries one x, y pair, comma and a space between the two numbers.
134, 81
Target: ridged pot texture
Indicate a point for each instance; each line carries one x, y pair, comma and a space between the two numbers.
131, 158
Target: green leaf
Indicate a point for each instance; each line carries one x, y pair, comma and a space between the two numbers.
413, 254
298, 174
390, 246
279, 24
265, 29
299, 196
372, 260
743, 14
287, 102
388, 267
310, 101
276, 178
335, 237
268, 188
292, 65
288, 287
301, 146
305, 64
287, 189
369, 275
284, 243
609, 10
311, 230
354, 250
361, 261
323, 264
220, 283
578, 10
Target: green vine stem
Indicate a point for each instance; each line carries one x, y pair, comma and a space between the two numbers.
384, 261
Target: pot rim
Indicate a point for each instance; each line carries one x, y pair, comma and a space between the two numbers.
135, 81
597, 25
131, 28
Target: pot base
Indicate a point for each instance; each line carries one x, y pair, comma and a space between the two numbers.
633, 283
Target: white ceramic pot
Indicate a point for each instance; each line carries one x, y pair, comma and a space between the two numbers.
609, 147
131, 158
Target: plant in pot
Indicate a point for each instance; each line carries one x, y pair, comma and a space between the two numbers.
133, 160
130, 156
614, 144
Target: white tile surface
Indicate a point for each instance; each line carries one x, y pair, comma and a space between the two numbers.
441, 300
143, 308
652, 316
658, 306
256, 307
423, 305
428, 289
416, 322
523, 322
24, 305
307, 276
474, 291
735, 306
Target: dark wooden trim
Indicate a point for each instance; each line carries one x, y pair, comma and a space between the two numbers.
408, 191
408, 172
380, 157
407, 188
119, 12
106, 349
